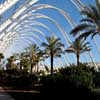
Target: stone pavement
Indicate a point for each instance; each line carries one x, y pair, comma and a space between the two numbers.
4, 95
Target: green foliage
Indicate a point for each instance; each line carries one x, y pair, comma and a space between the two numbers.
69, 81
79, 76
53, 48
17, 79
10, 64
53, 45
78, 47
34, 55
97, 79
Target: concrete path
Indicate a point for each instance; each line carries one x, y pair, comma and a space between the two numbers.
4, 95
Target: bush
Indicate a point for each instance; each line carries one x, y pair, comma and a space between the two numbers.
78, 76
18, 79
69, 81
97, 79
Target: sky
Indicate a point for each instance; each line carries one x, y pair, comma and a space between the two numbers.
68, 7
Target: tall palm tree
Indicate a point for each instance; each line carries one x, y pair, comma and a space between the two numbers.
34, 52
53, 48
78, 47
90, 23
38, 58
24, 61
10, 65
21, 57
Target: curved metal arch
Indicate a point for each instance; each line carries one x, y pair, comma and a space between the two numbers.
19, 36
42, 6
32, 30
66, 15
56, 23
27, 32
36, 23
23, 38
38, 16
29, 41
49, 6
32, 35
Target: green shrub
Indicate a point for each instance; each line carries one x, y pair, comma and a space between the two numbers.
18, 79
69, 81
78, 76
97, 79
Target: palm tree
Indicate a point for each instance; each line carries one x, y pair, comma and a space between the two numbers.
39, 58
1, 56
10, 65
53, 48
24, 61
78, 47
34, 52
21, 57
90, 23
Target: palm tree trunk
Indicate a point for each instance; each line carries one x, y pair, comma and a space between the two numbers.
37, 67
20, 66
78, 62
31, 67
51, 63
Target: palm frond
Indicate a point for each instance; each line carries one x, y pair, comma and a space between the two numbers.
95, 33
48, 39
58, 55
95, 11
86, 34
70, 50
55, 41
87, 12
86, 49
80, 28
45, 44
59, 44
87, 20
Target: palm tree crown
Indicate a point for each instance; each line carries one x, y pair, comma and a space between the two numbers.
89, 24
78, 47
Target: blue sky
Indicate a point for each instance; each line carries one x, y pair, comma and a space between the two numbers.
67, 6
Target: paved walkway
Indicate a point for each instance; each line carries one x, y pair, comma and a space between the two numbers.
4, 95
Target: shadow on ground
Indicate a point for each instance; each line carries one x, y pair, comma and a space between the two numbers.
24, 96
